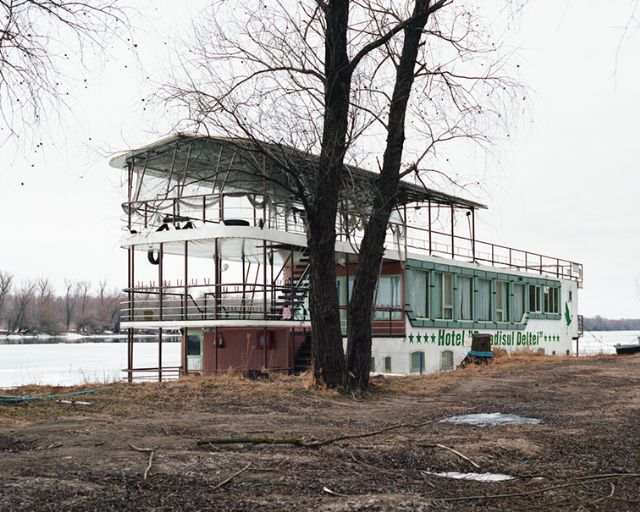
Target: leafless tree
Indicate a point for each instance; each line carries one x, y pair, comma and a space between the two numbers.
44, 316
70, 302
83, 292
6, 282
340, 79
37, 40
22, 299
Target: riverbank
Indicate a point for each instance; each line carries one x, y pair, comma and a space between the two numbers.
384, 450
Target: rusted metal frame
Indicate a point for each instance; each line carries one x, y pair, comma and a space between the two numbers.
171, 169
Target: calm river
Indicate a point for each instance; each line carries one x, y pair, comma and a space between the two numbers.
62, 363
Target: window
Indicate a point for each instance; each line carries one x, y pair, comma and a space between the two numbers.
194, 344
419, 294
372, 362
387, 298
518, 302
465, 292
446, 360
551, 299
534, 298
417, 362
442, 296
483, 299
502, 301
387, 364
447, 296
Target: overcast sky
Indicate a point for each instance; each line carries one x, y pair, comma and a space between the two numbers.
566, 184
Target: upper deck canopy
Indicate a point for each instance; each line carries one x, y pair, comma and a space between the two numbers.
243, 165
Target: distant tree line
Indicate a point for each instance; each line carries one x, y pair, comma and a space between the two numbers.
598, 323
33, 306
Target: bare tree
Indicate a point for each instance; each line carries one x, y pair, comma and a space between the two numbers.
22, 299
6, 282
83, 291
327, 77
44, 311
70, 302
37, 38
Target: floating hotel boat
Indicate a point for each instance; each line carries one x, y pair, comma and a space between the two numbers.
217, 249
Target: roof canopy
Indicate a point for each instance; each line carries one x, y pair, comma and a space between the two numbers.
243, 165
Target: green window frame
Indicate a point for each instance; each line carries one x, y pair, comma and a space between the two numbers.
502, 301
551, 299
465, 298
419, 298
534, 298
483, 302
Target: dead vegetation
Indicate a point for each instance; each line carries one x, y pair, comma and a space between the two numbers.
381, 450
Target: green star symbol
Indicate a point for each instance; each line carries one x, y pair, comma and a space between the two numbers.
433, 338
418, 338
410, 338
545, 337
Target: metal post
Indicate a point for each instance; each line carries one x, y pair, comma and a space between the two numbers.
453, 252
429, 203
264, 300
473, 233
160, 315
216, 279
184, 306
131, 314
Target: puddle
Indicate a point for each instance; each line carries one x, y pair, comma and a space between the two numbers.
494, 419
478, 477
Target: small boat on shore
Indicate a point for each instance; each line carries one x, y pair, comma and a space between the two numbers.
628, 348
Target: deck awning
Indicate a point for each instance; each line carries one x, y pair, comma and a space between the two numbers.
243, 165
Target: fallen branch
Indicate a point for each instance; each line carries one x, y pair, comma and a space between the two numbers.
582, 481
462, 456
312, 444
73, 402
224, 482
151, 452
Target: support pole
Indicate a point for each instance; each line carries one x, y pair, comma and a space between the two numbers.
430, 225
453, 251
184, 306
131, 252
264, 300
160, 312
473, 233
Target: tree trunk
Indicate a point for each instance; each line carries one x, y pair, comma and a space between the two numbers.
327, 350
372, 247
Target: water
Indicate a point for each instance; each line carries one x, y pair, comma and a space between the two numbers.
478, 477
52, 362
603, 342
493, 419
55, 363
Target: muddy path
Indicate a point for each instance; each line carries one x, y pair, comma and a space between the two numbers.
585, 455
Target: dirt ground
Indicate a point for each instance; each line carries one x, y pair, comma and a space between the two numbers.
585, 455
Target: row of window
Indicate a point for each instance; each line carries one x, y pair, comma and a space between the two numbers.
445, 296
417, 362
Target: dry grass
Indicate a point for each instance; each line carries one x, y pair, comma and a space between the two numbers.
232, 390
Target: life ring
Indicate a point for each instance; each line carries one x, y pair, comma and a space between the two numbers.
153, 255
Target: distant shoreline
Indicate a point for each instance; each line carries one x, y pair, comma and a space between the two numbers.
72, 337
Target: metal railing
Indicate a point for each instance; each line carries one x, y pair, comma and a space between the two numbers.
191, 211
